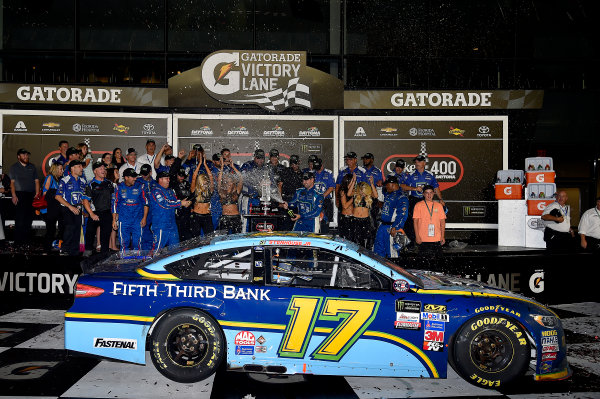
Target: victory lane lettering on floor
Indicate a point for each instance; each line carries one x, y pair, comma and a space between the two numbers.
43, 283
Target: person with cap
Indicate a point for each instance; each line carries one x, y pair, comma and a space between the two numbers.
350, 168
61, 158
430, 224
160, 161
371, 170
166, 167
310, 160
149, 157
73, 154
183, 191
254, 173
145, 178
24, 187
130, 210
164, 204
558, 233
195, 158
130, 163
70, 195
325, 185
97, 201
276, 167
292, 181
589, 228
401, 173
309, 203
414, 183
394, 213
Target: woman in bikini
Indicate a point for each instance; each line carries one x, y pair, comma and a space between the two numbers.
362, 226
229, 188
202, 189
347, 206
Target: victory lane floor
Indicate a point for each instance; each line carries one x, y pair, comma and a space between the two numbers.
33, 363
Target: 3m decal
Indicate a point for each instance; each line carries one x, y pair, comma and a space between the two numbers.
353, 315
434, 308
434, 336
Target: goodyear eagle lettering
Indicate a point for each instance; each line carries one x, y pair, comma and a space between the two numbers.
489, 321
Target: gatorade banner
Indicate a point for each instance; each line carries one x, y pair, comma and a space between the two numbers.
464, 153
243, 134
40, 131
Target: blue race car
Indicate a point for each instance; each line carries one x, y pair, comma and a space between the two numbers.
298, 303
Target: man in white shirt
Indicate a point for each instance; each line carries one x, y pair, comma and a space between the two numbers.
557, 217
149, 156
589, 228
131, 162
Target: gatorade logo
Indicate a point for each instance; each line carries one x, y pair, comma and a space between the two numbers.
508, 190
536, 282
540, 178
541, 206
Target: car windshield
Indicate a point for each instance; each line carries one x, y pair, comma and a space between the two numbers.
391, 265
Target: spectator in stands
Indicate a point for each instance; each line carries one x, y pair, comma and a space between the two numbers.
589, 228
309, 203
164, 204
229, 188
24, 187
430, 224
97, 201
69, 195
130, 211
131, 163
558, 233
61, 158
117, 158
53, 213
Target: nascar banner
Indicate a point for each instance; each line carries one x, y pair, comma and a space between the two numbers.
242, 134
464, 153
40, 131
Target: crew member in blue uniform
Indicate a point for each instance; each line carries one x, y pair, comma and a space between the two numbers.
70, 195
164, 204
277, 169
195, 158
130, 210
97, 201
325, 185
311, 160
414, 183
145, 178
393, 217
309, 203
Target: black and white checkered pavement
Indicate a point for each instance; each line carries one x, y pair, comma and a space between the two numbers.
33, 363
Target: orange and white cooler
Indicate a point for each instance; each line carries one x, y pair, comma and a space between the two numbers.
535, 204
506, 188
539, 170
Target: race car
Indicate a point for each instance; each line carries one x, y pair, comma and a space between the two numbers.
300, 303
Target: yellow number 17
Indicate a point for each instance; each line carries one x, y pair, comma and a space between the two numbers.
355, 316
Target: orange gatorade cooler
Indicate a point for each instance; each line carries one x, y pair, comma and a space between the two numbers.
539, 196
509, 184
539, 170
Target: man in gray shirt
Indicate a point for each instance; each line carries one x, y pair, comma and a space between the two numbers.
24, 187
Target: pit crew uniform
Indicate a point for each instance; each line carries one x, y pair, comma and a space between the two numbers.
361, 174
310, 204
129, 204
393, 214
163, 205
72, 190
100, 194
416, 179
183, 216
147, 236
401, 180
323, 181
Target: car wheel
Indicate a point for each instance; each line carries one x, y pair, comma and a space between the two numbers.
490, 351
187, 345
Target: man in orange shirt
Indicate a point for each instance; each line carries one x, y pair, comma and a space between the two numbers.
430, 224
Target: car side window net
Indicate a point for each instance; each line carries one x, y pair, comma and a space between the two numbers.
231, 265
321, 268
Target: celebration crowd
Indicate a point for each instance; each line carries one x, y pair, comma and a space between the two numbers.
124, 200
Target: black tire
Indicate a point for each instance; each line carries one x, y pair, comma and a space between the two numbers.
187, 345
490, 351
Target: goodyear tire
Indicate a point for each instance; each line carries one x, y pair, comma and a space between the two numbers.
187, 345
490, 351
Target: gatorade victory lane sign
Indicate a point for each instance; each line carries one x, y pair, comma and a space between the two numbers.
272, 80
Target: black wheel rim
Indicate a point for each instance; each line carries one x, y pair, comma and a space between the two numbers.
491, 351
186, 345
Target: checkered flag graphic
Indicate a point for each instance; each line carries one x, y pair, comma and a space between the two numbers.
423, 149
296, 93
